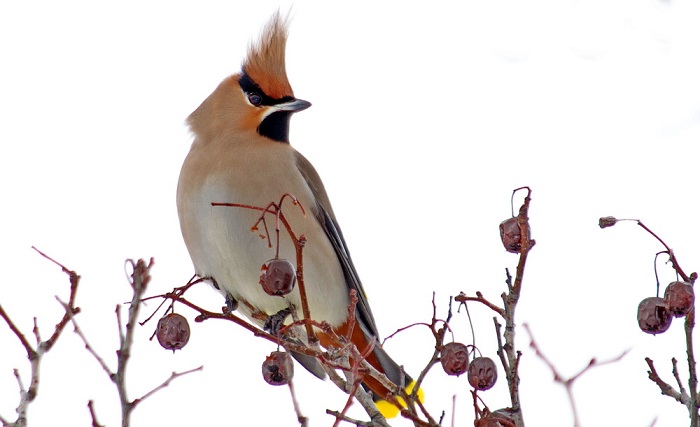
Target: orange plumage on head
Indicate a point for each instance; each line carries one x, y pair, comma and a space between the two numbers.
265, 62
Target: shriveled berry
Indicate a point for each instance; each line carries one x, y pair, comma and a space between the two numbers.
504, 414
482, 373
173, 331
495, 419
607, 221
679, 298
278, 277
510, 235
498, 418
454, 358
653, 316
278, 368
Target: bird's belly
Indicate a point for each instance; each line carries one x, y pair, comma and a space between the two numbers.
224, 247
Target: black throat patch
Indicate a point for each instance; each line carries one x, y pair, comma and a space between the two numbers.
276, 125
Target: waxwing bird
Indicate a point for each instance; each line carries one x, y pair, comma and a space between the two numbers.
241, 154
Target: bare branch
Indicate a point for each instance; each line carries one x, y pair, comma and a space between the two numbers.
303, 421
165, 384
343, 417
666, 388
20, 336
35, 355
462, 297
568, 382
674, 371
690, 399
88, 347
140, 277
93, 415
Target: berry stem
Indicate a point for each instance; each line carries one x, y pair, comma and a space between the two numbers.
276, 209
672, 256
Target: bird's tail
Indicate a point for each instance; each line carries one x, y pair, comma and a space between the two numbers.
382, 362
394, 372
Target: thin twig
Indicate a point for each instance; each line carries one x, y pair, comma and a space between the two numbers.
20, 336
140, 277
165, 384
568, 382
93, 415
500, 352
35, 355
303, 421
674, 371
462, 297
412, 400
343, 417
666, 388
671, 254
206, 314
692, 369
396, 332
88, 347
355, 376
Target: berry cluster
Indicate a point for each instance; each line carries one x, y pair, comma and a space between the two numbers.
278, 279
481, 371
655, 314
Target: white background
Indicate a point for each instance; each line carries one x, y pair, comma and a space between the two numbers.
424, 118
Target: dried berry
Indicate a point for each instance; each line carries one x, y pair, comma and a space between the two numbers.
482, 373
173, 331
504, 414
510, 235
278, 368
454, 358
607, 221
498, 418
653, 316
278, 277
679, 298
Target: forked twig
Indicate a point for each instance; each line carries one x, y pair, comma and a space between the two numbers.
35, 355
568, 383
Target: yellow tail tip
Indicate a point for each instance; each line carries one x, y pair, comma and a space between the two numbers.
389, 410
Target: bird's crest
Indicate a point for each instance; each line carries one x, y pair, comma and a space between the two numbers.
265, 62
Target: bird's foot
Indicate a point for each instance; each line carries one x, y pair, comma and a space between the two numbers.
274, 323
231, 303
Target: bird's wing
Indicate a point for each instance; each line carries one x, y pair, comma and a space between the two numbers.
324, 214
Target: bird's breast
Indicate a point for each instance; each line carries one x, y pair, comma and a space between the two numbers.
222, 245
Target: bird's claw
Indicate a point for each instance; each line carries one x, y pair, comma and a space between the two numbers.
274, 323
231, 303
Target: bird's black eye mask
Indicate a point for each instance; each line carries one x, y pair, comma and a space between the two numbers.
256, 95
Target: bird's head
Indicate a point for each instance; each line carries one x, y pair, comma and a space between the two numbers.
259, 98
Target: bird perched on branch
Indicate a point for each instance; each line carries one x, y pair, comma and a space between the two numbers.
241, 154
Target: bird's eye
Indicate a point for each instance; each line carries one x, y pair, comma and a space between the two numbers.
254, 98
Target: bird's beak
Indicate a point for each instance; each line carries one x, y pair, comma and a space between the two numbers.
293, 106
